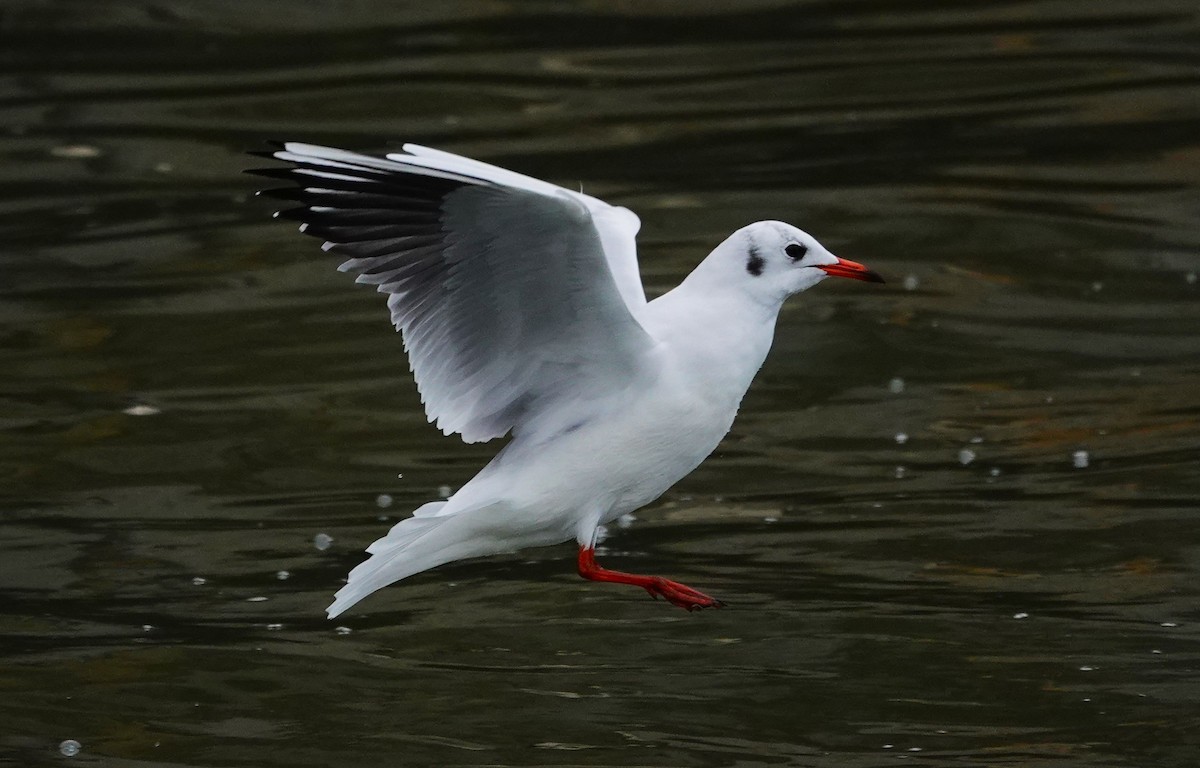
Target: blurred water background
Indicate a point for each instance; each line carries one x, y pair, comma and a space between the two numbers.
956, 522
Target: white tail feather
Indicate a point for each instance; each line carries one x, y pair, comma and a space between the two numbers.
425, 540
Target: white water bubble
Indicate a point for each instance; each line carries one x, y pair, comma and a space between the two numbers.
966, 456
257, 599
75, 152
383, 501
199, 581
1021, 615
901, 438
445, 491
896, 385
1190, 277
911, 283
626, 520
283, 575
1080, 459
141, 409
274, 627
994, 471
900, 472
1097, 286
322, 541
343, 630
70, 748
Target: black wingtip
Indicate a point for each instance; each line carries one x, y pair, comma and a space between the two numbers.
271, 173
275, 146
282, 193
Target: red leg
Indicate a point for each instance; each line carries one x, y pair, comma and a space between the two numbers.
674, 592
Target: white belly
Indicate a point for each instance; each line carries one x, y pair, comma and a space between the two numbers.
565, 486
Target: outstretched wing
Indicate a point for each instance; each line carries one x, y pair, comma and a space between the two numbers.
516, 298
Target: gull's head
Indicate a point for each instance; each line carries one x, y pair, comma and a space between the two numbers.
775, 260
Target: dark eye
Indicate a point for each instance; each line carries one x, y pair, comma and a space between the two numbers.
795, 251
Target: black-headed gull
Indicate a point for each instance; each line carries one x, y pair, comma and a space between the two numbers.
522, 311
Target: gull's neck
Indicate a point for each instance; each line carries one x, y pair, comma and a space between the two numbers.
715, 329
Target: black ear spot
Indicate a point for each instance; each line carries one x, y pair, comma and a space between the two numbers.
796, 251
755, 264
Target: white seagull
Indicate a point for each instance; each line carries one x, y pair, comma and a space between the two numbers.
522, 312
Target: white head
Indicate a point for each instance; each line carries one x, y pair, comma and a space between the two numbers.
773, 260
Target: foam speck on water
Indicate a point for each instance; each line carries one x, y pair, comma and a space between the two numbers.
383, 501
445, 491
322, 541
896, 385
901, 438
75, 152
199, 581
283, 575
141, 409
1080, 459
70, 748
966, 456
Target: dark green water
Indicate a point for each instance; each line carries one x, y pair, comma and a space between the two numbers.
1027, 175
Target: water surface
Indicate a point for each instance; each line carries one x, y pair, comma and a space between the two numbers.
916, 566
